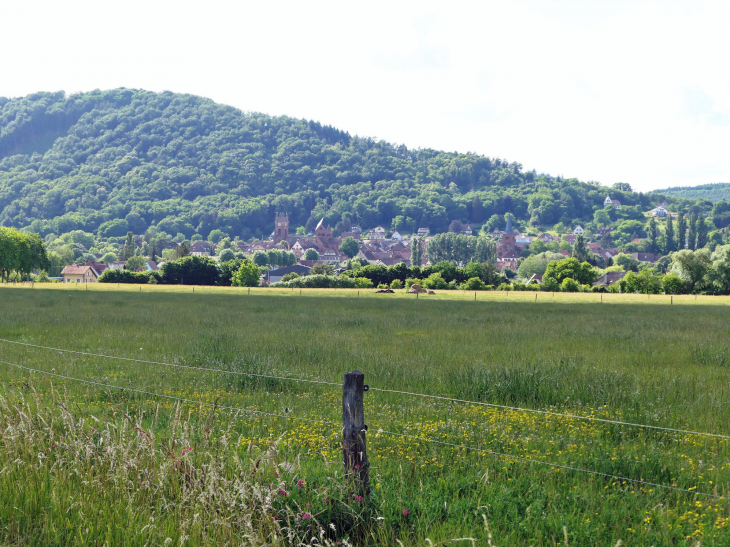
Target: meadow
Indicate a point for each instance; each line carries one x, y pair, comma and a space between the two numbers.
152, 454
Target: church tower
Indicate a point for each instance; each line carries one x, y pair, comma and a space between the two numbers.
281, 227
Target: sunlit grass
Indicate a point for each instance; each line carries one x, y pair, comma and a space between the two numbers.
629, 358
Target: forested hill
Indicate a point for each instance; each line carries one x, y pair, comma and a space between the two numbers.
112, 161
711, 192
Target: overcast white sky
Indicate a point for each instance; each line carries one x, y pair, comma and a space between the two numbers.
632, 91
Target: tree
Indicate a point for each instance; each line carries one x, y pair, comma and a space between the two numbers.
416, 252
350, 246
670, 243
260, 258
720, 270
672, 284
226, 271
559, 270
537, 264
691, 267
477, 210
311, 254
607, 241
134, 263
274, 257
580, 251
322, 268
627, 262
652, 235
701, 232
128, 248
474, 284
190, 270
216, 235
182, 250
645, 282
21, 252
692, 232
227, 255
248, 275
681, 231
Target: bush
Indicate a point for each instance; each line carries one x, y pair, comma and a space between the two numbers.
672, 284
322, 282
127, 276
396, 284
435, 281
569, 285
247, 275
289, 277
382, 286
363, 283
474, 284
504, 287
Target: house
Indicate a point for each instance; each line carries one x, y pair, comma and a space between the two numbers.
98, 267
608, 202
116, 265
150, 266
645, 257
200, 248
423, 232
603, 232
376, 233
396, 236
570, 238
355, 235
547, 238
659, 211
355, 228
276, 275
79, 274
609, 278
579, 231
523, 240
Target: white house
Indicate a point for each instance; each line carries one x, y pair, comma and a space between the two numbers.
397, 236
579, 231
376, 233
423, 232
608, 202
659, 211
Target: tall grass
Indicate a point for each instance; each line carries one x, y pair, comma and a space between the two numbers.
638, 360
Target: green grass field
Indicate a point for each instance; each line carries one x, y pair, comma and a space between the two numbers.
87, 463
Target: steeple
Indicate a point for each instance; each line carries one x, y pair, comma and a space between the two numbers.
509, 224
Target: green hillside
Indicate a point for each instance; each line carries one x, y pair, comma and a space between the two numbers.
112, 161
711, 192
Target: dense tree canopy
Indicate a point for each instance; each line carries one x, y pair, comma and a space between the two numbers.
109, 162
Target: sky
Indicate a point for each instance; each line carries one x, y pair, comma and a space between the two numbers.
618, 91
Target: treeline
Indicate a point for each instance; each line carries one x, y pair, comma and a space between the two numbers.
191, 270
21, 253
110, 162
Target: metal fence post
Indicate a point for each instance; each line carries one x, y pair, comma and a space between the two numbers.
353, 430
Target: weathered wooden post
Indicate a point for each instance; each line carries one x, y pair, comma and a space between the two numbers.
353, 430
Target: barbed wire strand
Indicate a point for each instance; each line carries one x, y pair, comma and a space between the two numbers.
380, 431
383, 390
181, 399
549, 464
142, 361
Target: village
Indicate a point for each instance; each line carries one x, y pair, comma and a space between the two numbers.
381, 247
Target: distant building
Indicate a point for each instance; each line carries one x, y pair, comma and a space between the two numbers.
608, 202
281, 227
609, 278
200, 248
79, 274
423, 232
321, 230
376, 233
579, 231
276, 275
396, 235
659, 212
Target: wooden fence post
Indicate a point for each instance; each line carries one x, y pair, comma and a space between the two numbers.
353, 430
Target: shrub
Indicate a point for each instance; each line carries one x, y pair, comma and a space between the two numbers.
363, 283
126, 276
672, 284
289, 277
474, 284
247, 275
382, 286
396, 284
569, 285
323, 282
435, 281
504, 287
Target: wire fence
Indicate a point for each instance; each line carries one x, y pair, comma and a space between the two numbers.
481, 451
382, 390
